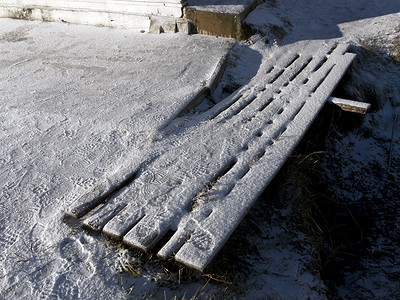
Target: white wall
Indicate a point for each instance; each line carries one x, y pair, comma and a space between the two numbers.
113, 13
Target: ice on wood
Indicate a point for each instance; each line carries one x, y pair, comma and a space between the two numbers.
200, 179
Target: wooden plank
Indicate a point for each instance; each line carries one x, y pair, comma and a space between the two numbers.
208, 178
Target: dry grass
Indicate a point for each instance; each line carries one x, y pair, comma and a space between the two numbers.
203, 196
394, 46
379, 45
299, 175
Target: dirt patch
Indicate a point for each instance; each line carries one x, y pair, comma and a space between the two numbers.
23, 14
17, 35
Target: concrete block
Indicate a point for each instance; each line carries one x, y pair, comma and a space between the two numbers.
184, 26
162, 25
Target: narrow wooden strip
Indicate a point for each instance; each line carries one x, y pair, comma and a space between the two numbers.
350, 105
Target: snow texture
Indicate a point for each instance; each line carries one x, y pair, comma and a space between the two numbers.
222, 6
65, 131
289, 21
79, 105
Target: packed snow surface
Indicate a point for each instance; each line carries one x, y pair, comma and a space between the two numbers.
77, 106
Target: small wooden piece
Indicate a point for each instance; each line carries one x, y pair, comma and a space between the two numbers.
350, 105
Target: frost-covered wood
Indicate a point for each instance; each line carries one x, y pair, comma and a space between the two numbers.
202, 174
350, 105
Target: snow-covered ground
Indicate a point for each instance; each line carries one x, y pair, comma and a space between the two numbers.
270, 255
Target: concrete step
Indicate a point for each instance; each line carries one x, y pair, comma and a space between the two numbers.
160, 24
211, 17
133, 14
220, 17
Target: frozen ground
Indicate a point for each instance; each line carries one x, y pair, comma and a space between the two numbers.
42, 257
356, 186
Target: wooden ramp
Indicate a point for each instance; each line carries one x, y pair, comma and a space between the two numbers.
216, 164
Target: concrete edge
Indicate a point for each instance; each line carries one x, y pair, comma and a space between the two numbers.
83, 17
219, 23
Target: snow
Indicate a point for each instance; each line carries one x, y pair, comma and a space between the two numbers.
222, 6
41, 117
315, 20
73, 118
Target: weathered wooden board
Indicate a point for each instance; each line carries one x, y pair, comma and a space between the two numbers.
215, 165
